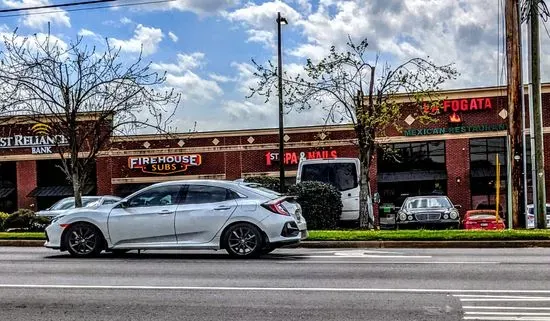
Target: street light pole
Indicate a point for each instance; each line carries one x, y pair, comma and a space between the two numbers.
280, 20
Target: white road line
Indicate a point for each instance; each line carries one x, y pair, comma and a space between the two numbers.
540, 314
370, 256
475, 307
499, 296
384, 262
504, 318
505, 300
265, 289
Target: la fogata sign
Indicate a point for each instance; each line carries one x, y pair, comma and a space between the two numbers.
41, 142
164, 164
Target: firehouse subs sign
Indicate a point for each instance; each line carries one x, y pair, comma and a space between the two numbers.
165, 164
295, 157
39, 143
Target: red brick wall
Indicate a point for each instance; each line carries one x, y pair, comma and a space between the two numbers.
26, 182
104, 174
458, 168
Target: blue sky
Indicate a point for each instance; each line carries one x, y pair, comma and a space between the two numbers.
207, 45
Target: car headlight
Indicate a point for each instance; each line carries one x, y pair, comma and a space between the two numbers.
410, 217
402, 216
445, 216
454, 215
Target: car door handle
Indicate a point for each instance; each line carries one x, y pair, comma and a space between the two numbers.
165, 212
222, 208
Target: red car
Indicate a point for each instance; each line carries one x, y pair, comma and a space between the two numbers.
482, 220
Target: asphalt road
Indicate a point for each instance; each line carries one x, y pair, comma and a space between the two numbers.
291, 284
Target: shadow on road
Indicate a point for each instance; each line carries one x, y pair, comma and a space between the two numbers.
145, 255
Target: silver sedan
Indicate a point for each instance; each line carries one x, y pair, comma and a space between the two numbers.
243, 219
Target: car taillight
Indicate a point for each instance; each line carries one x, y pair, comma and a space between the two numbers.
276, 207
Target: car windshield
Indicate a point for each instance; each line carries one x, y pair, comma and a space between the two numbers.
482, 216
66, 204
428, 202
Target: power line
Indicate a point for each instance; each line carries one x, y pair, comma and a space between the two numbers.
70, 4
89, 8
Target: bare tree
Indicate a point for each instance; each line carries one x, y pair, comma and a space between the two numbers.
83, 95
338, 84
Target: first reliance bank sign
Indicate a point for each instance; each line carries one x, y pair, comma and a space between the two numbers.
40, 143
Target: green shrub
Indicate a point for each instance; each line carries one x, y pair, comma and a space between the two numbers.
321, 204
266, 181
3, 217
25, 220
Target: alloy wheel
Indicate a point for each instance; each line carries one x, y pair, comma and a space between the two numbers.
243, 240
83, 240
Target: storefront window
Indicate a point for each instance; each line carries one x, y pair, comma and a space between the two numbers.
483, 179
405, 157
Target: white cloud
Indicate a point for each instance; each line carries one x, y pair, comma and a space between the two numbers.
260, 20
193, 87
87, 33
144, 37
125, 20
221, 78
200, 7
43, 16
185, 63
173, 36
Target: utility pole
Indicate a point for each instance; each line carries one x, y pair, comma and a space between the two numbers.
281, 20
538, 149
514, 111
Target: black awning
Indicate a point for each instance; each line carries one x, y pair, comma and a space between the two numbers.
127, 189
413, 176
57, 191
6, 191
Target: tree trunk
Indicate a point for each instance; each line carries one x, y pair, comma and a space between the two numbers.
365, 200
77, 190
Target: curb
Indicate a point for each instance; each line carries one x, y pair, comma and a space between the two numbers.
426, 244
367, 244
23, 243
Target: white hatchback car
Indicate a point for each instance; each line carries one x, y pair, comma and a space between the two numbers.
204, 214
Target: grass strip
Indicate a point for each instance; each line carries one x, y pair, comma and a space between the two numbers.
428, 235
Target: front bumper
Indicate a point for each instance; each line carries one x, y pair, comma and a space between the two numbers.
53, 236
447, 222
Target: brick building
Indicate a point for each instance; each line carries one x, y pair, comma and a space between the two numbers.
454, 155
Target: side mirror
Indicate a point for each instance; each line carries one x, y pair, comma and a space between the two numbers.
376, 198
123, 204
458, 206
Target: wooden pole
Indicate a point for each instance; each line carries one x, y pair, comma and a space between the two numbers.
514, 110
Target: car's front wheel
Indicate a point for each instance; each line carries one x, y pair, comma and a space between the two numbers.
243, 240
83, 240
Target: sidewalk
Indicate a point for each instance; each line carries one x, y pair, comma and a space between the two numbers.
368, 244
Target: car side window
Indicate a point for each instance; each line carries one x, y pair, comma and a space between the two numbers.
158, 196
201, 194
109, 201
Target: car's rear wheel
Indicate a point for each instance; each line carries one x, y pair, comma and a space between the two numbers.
83, 240
243, 240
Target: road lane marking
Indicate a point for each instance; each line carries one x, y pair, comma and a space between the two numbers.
504, 318
265, 289
476, 307
385, 262
499, 296
495, 313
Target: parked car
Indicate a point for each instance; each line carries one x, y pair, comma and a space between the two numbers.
482, 220
66, 204
203, 214
433, 210
531, 215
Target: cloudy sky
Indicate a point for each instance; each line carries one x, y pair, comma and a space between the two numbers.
206, 46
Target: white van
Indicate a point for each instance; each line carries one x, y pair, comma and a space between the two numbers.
342, 173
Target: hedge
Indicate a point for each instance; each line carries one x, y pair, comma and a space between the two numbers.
321, 204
